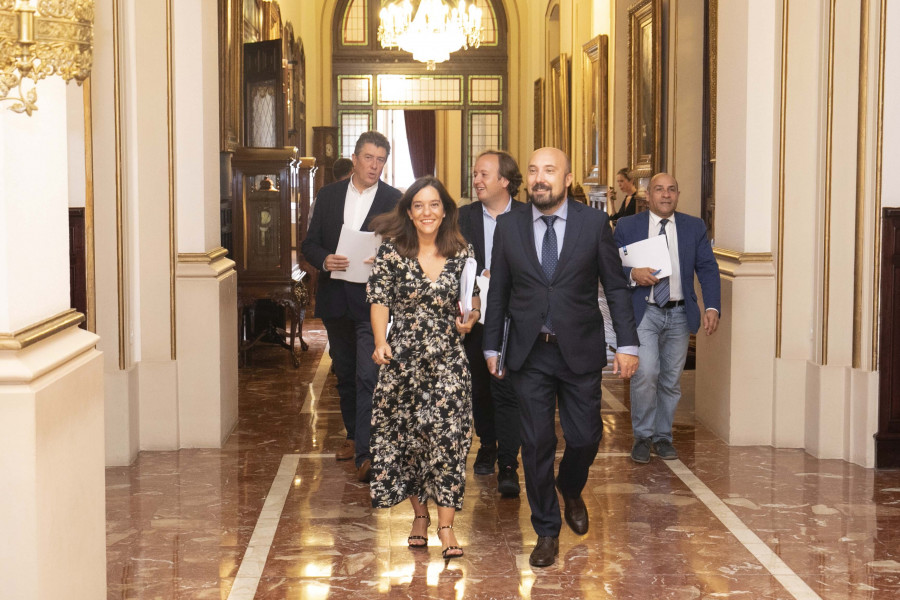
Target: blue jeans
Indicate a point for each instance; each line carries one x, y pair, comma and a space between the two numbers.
656, 387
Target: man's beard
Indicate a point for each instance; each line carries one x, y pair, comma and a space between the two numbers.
549, 201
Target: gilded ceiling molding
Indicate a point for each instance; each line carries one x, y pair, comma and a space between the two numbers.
782, 126
90, 274
731, 260
120, 213
861, 140
829, 146
39, 331
879, 147
170, 107
202, 257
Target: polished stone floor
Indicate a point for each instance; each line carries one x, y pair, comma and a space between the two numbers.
272, 515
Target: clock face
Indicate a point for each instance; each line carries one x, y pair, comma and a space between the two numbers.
265, 217
329, 149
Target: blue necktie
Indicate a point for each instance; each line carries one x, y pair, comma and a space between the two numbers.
661, 289
549, 257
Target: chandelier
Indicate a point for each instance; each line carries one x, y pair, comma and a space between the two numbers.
40, 38
429, 29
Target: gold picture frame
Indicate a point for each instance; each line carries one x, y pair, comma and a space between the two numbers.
645, 92
595, 128
558, 119
539, 112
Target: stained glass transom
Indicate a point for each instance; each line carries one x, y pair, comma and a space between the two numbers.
414, 90
352, 126
355, 23
488, 23
356, 90
484, 90
484, 134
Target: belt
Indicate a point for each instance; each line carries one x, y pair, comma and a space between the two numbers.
549, 338
669, 304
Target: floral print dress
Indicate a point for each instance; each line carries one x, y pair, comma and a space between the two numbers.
422, 405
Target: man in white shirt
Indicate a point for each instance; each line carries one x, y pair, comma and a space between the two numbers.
341, 304
667, 313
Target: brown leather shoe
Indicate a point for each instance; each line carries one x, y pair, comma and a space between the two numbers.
346, 451
575, 512
545, 551
364, 473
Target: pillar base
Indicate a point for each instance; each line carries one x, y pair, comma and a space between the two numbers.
52, 509
206, 293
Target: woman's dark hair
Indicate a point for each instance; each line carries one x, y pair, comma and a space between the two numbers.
399, 228
625, 173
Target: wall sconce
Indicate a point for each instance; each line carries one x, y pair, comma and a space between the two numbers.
41, 38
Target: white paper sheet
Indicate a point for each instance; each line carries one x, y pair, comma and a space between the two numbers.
358, 247
652, 252
467, 287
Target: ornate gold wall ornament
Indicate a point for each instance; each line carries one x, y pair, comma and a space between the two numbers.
41, 38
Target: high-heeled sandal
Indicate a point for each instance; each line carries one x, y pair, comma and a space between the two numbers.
444, 552
423, 538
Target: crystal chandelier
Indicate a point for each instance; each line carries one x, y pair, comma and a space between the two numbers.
430, 29
40, 38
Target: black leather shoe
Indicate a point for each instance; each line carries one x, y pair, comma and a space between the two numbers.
640, 452
575, 512
545, 551
364, 473
484, 460
508, 481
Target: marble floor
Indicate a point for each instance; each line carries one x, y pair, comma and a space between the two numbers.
272, 515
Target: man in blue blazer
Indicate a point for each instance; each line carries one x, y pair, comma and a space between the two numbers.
342, 305
667, 313
545, 266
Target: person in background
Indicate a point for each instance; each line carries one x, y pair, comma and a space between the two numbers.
422, 407
496, 179
342, 168
341, 304
629, 193
546, 262
667, 313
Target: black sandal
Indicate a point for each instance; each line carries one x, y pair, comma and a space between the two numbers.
412, 538
449, 548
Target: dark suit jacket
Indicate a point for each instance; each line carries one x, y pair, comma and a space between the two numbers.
471, 223
520, 288
694, 255
337, 298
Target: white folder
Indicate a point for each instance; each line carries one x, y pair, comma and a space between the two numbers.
652, 252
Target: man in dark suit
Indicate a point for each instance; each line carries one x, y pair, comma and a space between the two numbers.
342, 305
667, 313
496, 179
546, 262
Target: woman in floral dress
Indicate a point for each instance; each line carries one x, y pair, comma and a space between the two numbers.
421, 409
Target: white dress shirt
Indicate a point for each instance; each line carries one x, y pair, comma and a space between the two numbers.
675, 291
357, 204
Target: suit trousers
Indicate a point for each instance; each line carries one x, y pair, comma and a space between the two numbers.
495, 408
351, 347
543, 381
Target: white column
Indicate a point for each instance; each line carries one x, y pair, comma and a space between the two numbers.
735, 370
206, 289
52, 516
